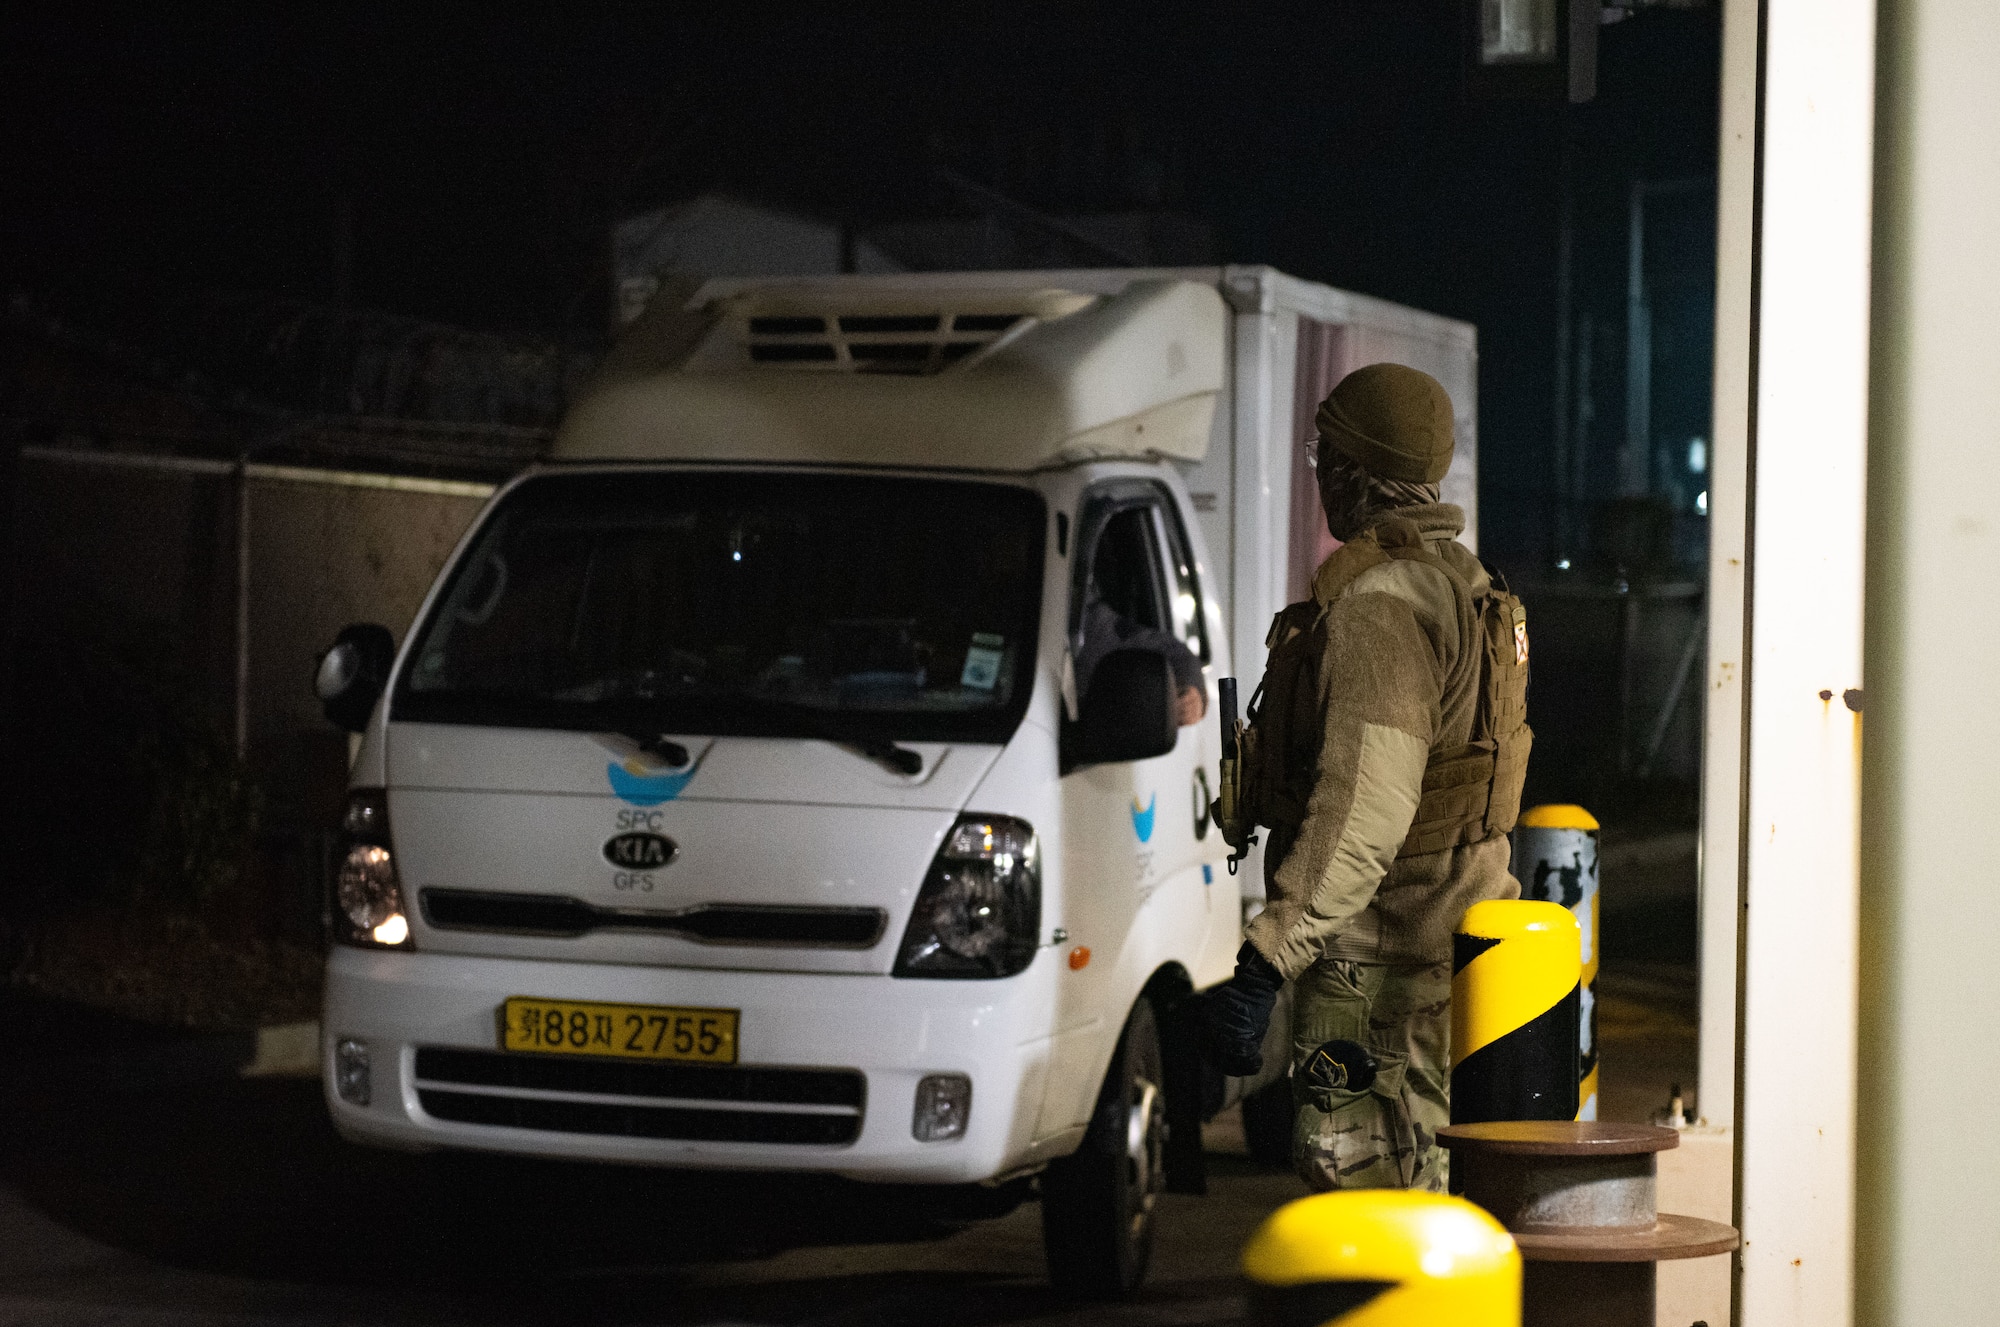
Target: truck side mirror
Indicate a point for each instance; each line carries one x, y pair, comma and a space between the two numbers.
352, 673
1128, 710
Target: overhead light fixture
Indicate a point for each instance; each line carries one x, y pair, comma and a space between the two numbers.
1531, 50
1517, 31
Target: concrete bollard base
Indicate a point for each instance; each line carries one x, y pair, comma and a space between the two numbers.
1581, 1199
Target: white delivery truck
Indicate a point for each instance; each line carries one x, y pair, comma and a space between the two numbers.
735, 800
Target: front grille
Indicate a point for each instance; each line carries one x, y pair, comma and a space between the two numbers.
700, 1103
707, 923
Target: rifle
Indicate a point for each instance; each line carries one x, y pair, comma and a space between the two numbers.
1227, 810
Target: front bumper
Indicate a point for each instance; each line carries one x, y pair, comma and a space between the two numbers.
892, 1031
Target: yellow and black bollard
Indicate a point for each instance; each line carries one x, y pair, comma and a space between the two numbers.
1382, 1258
1515, 972
1555, 859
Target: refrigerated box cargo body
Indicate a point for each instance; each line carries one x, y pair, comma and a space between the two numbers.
792, 772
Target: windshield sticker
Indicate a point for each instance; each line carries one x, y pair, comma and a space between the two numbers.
1142, 817
982, 661
636, 783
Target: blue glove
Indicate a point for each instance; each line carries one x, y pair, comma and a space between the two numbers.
1238, 1011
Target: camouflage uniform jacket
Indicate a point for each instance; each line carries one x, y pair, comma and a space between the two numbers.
1399, 679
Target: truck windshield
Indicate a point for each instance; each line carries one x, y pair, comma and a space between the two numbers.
836, 606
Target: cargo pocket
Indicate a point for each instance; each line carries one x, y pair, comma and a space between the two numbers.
1356, 1140
1330, 1002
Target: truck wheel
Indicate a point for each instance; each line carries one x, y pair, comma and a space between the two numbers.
1268, 1115
1097, 1204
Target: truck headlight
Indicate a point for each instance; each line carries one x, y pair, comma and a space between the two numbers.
368, 898
980, 910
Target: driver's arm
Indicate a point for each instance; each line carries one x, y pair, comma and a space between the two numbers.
1104, 631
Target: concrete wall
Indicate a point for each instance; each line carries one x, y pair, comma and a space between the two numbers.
322, 556
126, 585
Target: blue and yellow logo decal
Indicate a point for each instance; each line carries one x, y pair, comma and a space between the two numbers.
1142, 817
641, 786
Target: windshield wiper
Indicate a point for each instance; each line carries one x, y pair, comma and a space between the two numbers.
884, 752
890, 755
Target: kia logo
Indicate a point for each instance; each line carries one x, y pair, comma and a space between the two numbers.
640, 851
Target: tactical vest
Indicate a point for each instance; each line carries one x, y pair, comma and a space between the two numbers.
1470, 793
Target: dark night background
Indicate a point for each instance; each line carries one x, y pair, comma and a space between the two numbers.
185, 195
463, 165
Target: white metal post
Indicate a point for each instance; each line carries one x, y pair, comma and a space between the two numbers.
1929, 1219
1261, 516
1728, 493
1700, 1174
1260, 493
1795, 1086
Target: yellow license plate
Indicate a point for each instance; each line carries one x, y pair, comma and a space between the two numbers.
629, 1031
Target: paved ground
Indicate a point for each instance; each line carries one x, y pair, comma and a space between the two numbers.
232, 1201
1646, 1018
171, 1198
1647, 992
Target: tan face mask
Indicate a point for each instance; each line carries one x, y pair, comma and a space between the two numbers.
1353, 498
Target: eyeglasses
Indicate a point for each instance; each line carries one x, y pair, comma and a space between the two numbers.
1312, 452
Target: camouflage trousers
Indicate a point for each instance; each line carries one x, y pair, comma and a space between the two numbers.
1386, 1137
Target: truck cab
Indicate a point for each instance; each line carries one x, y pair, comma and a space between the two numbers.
757, 787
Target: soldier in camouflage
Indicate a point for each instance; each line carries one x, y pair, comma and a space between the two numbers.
1398, 776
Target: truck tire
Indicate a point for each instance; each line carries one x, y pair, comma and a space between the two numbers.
1097, 1203
1268, 1115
